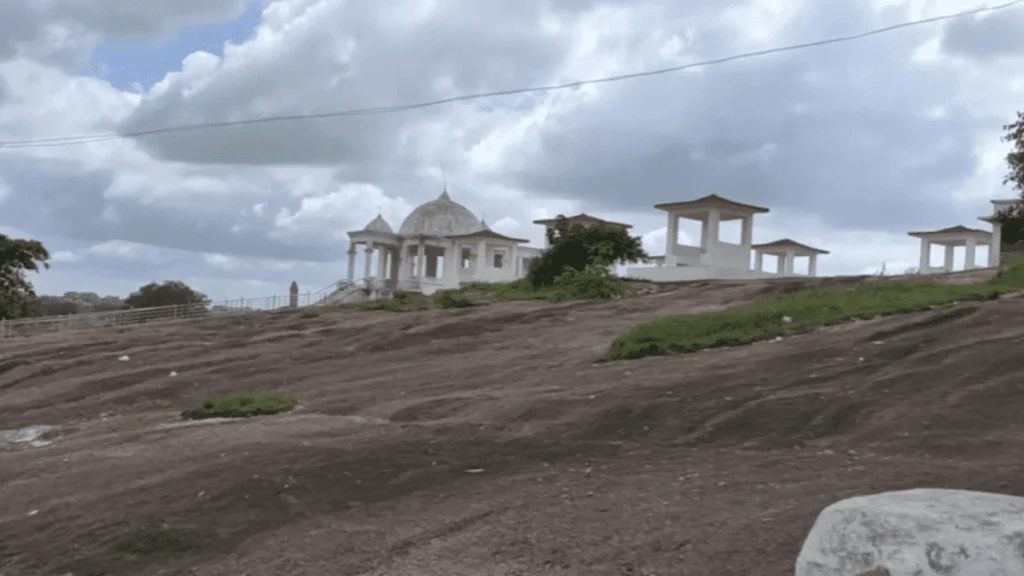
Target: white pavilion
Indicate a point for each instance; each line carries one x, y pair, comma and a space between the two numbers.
715, 258
440, 245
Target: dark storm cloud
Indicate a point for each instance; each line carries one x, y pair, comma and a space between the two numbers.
996, 34
839, 131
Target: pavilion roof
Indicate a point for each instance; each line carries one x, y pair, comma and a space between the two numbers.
786, 244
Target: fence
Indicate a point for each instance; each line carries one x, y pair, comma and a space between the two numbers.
120, 318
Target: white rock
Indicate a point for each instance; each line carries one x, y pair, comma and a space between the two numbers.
124, 358
923, 532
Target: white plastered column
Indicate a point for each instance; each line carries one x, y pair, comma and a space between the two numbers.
351, 263
481, 256
368, 260
812, 265
747, 232
970, 254
789, 261
452, 256
947, 258
995, 249
710, 234
780, 264
421, 259
671, 239
758, 261
925, 265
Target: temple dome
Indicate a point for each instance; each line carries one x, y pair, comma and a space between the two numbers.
378, 225
440, 217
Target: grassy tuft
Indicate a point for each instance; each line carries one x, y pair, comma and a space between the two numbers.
241, 406
805, 310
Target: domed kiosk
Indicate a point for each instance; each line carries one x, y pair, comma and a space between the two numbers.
441, 244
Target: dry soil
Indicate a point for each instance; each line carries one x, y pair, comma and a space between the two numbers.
488, 441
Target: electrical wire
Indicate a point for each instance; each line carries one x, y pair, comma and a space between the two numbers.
89, 139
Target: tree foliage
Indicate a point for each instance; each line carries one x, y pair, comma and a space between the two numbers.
1012, 217
17, 256
170, 293
574, 246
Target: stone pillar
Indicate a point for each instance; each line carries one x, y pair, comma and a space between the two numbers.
368, 263
351, 263
812, 266
970, 254
947, 261
925, 264
758, 260
790, 257
293, 295
996, 248
421, 254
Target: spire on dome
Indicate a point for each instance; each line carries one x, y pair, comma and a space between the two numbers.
444, 196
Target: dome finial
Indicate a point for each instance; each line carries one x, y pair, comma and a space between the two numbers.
444, 184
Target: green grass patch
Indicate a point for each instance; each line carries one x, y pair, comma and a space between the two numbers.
400, 301
241, 406
805, 310
507, 291
452, 299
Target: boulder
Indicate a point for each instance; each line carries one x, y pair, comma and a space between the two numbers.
922, 532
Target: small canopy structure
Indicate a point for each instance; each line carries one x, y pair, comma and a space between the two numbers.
949, 239
787, 251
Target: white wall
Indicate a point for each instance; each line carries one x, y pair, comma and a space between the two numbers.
685, 273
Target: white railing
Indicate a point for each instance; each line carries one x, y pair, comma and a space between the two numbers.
36, 326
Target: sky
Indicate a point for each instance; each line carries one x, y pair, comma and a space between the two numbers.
850, 145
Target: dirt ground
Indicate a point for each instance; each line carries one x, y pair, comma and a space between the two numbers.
488, 441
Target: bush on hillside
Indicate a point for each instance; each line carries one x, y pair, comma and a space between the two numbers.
452, 299
574, 246
241, 406
170, 293
592, 283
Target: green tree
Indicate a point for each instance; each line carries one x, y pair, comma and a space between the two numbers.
576, 246
17, 256
1012, 217
170, 293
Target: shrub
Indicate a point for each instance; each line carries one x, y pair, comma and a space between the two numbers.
592, 283
241, 406
452, 299
576, 246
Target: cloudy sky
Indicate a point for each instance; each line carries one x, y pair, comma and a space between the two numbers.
850, 145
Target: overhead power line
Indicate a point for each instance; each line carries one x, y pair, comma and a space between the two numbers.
89, 139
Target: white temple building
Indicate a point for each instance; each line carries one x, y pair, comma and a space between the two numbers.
440, 245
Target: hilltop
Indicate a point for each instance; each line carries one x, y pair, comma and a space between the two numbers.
492, 439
